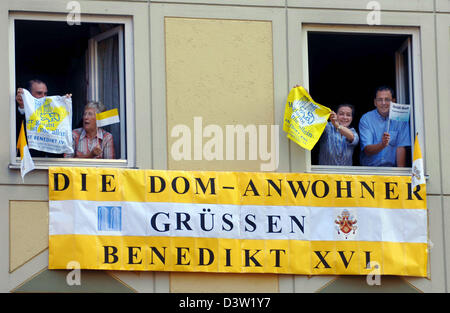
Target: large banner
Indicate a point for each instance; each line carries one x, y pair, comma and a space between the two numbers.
312, 224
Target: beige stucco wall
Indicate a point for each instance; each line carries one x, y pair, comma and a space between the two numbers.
28, 231
221, 72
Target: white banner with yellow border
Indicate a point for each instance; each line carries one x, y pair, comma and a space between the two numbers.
236, 222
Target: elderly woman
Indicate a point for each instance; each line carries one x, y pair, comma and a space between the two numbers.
90, 141
339, 140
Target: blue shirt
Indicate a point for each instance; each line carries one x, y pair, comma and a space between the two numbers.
335, 149
371, 128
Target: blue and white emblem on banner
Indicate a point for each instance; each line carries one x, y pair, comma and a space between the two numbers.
109, 218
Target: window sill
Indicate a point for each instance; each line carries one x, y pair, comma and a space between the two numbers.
45, 163
361, 170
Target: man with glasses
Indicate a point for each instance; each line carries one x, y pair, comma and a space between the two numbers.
381, 146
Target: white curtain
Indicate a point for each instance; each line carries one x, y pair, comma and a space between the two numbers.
109, 88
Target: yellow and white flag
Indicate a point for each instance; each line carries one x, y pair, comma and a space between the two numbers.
107, 118
304, 119
417, 175
26, 163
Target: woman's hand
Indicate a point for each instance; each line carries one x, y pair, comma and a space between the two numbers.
96, 152
333, 119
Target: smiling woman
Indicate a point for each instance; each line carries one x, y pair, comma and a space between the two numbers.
338, 140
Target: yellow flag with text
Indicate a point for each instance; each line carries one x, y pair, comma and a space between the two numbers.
304, 119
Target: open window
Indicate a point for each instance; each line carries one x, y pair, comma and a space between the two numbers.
106, 78
347, 67
89, 61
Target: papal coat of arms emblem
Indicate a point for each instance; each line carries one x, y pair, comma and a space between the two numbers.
345, 223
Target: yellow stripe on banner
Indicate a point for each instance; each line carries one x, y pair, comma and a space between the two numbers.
106, 114
243, 188
238, 256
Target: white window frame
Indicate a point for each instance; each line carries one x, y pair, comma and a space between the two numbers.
399, 70
128, 83
93, 92
416, 87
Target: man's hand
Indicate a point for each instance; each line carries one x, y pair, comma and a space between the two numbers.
19, 97
385, 140
376, 148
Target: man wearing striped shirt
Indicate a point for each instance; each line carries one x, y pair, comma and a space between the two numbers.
90, 141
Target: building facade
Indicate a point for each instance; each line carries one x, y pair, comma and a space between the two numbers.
202, 66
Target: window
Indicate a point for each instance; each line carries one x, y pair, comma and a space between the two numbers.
92, 61
347, 65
